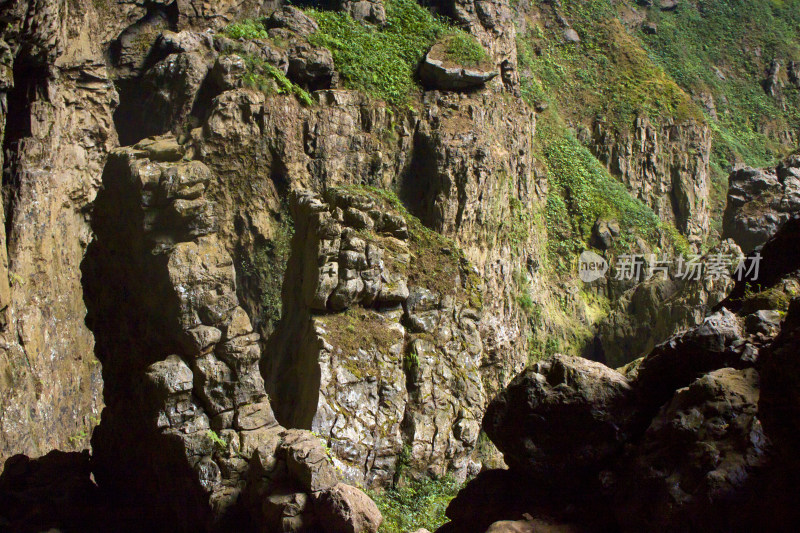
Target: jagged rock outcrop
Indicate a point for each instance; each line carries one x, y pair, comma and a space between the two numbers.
492, 23
187, 421
691, 454
663, 164
760, 201
655, 309
437, 71
368, 10
695, 467
389, 363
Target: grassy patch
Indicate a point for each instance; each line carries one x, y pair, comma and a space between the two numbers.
415, 505
463, 49
247, 29
266, 78
358, 328
582, 191
608, 73
382, 61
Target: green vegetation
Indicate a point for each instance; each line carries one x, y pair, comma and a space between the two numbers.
218, 441
247, 29
724, 49
582, 191
436, 261
358, 328
264, 267
411, 360
259, 74
607, 73
382, 61
462, 48
415, 505
266, 78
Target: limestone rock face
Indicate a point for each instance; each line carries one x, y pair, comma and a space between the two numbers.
56, 106
389, 365
367, 10
760, 201
665, 165
492, 23
187, 419
696, 463
536, 421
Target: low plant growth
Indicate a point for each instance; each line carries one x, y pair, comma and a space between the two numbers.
382, 61
415, 505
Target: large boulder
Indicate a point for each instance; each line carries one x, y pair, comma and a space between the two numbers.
346, 509
687, 356
561, 416
698, 460
760, 201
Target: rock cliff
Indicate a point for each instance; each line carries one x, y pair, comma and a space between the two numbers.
257, 255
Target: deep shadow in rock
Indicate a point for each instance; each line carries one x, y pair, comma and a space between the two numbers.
131, 309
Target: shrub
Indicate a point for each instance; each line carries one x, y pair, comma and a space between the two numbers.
260, 75
415, 505
247, 29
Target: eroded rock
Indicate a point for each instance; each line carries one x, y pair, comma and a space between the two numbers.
696, 464
562, 416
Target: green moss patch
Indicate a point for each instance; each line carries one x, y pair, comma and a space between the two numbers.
436, 261
358, 328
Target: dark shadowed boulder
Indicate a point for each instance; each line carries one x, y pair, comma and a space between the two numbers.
687, 356
560, 417
698, 462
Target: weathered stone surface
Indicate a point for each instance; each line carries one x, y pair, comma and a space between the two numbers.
368, 10
308, 461
760, 201
437, 72
696, 464
675, 183
390, 377
562, 416
345, 509
654, 310
294, 20
686, 356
